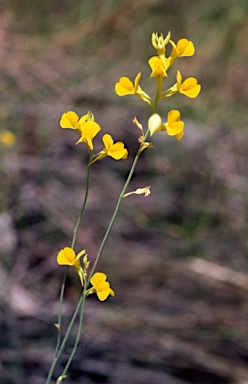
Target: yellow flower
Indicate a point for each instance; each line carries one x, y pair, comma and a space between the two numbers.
7, 138
159, 66
71, 120
174, 126
67, 256
126, 87
189, 87
101, 286
88, 130
183, 47
116, 151
86, 126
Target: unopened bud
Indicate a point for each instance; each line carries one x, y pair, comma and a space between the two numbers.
154, 123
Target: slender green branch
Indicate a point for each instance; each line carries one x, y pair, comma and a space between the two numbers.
158, 94
78, 334
84, 203
63, 344
60, 310
59, 323
116, 210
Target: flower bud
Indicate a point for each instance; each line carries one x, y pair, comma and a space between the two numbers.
154, 123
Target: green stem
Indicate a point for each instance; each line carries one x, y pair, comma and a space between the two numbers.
158, 95
60, 310
84, 203
78, 334
82, 300
63, 344
116, 211
72, 246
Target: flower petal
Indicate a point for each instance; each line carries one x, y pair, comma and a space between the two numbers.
103, 295
175, 128
124, 87
173, 115
118, 151
158, 66
84, 118
136, 82
190, 87
66, 256
88, 130
103, 291
111, 292
80, 254
185, 47
179, 78
107, 141
69, 120
97, 279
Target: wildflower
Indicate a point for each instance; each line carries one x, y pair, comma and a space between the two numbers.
100, 286
71, 120
183, 47
159, 66
174, 126
67, 256
7, 138
114, 150
86, 126
189, 87
126, 87
88, 130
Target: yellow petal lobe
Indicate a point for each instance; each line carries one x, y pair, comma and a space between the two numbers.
66, 256
69, 120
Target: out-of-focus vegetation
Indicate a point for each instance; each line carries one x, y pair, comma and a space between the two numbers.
65, 55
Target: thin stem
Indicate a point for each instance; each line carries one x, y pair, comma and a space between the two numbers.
63, 344
59, 323
82, 299
60, 310
78, 334
157, 98
84, 203
116, 211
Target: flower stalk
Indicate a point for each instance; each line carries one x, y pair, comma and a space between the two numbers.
96, 282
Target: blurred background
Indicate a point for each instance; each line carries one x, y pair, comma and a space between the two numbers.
177, 259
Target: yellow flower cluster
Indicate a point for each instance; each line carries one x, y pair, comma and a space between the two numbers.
88, 129
101, 287
160, 65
